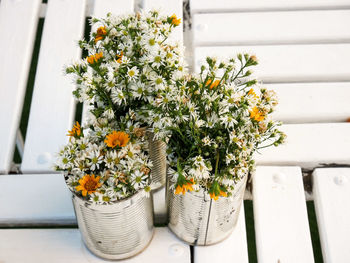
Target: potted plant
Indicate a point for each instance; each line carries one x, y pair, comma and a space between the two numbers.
131, 66
108, 172
219, 120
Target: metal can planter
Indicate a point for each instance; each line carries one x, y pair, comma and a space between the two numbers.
115, 231
198, 220
157, 154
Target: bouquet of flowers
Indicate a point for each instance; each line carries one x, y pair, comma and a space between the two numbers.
106, 162
131, 67
219, 119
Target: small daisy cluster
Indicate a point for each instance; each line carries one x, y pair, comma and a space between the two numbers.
106, 162
218, 120
132, 64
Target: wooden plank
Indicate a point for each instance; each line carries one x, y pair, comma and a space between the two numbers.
116, 7
280, 216
65, 245
256, 28
167, 7
290, 63
52, 109
44, 199
312, 102
18, 22
209, 6
331, 189
232, 249
310, 146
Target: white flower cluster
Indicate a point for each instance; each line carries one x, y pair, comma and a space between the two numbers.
219, 119
104, 164
131, 65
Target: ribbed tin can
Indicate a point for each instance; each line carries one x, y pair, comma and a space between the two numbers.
116, 231
157, 154
198, 220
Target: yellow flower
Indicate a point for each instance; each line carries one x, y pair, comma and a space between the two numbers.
213, 196
222, 193
256, 114
212, 84
252, 93
76, 130
119, 57
174, 20
117, 139
185, 187
100, 34
88, 184
94, 58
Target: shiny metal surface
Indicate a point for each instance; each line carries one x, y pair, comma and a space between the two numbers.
116, 231
157, 154
199, 220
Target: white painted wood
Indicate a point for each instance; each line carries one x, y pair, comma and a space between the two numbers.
168, 8
116, 7
323, 26
280, 216
210, 6
310, 145
52, 109
232, 249
65, 245
331, 189
44, 199
312, 102
18, 22
35, 199
290, 63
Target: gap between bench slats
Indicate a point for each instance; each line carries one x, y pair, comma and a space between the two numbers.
18, 23
331, 187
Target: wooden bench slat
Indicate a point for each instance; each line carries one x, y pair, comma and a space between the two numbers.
312, 102
331, 189
280, 216
232, 249
65, 245
290, 63
53, 106
18, 24
116, 7
310, 146
209, 6
323, 26
168, 8
44, 199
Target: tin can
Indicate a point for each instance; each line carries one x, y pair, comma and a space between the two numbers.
115, 231
157, 154
199, 220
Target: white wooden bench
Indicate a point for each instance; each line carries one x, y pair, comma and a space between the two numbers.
304, 53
